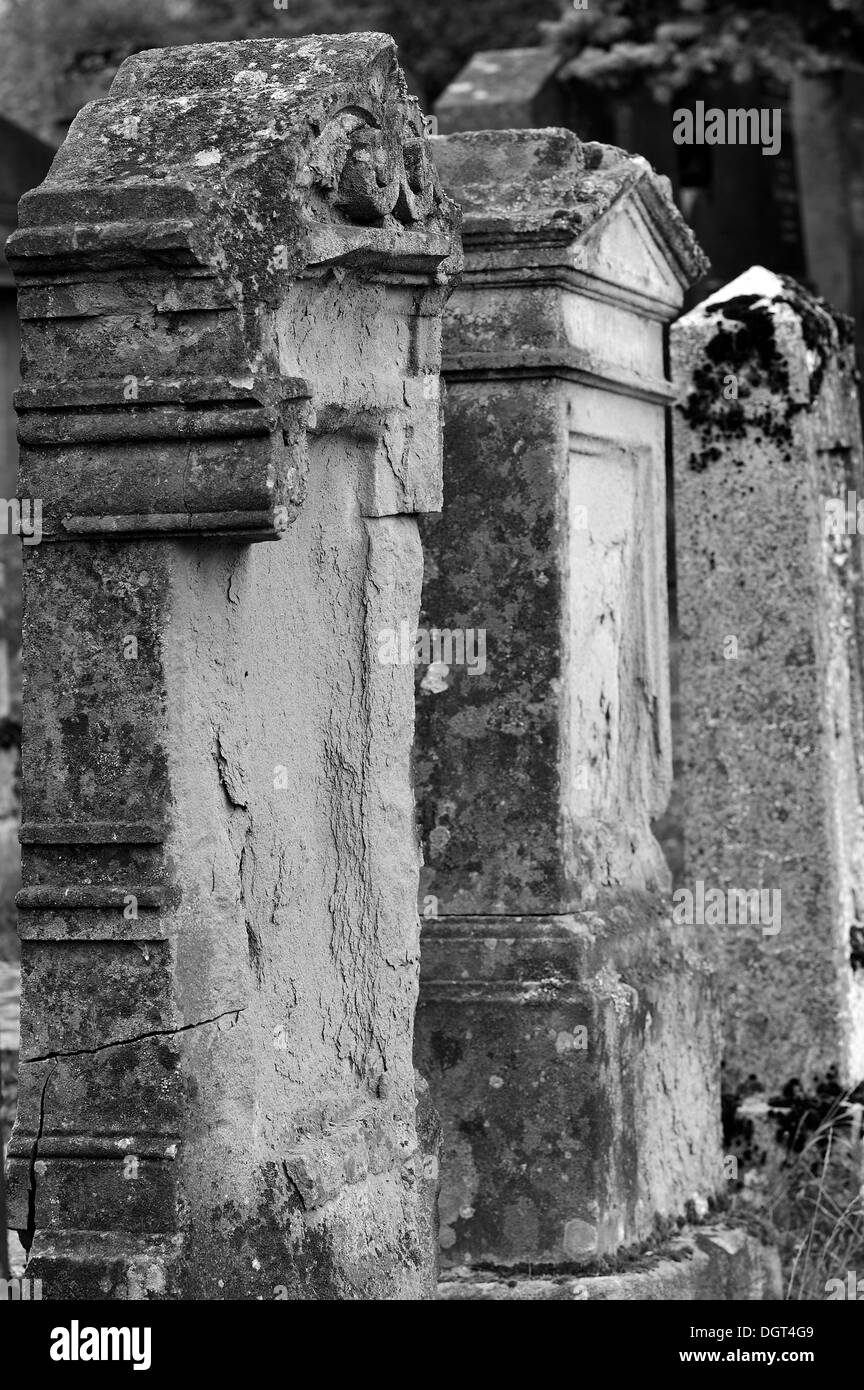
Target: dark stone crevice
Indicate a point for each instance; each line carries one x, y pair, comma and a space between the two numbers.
137, 1037
27, 1235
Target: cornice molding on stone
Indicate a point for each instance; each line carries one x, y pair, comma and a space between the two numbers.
546, 189
188, 200
562, 363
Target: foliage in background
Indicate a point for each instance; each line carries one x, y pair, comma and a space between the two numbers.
435, 39
611, 44
803, 1193
673, 43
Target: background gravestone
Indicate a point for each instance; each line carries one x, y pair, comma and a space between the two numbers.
503, 89
567, 1032
766, 432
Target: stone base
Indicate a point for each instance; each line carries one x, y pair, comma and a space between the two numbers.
574, 1062
103, 1265
708, 1263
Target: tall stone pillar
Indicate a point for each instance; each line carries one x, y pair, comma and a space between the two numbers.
566, 1030
230, 289
768, 470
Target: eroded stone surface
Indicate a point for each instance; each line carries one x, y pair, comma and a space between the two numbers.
230, 287
711, 1264
568, 1034
766, 434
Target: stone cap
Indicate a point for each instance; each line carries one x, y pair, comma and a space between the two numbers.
547, 185
493, 85
768, 333
207, 183
221, 153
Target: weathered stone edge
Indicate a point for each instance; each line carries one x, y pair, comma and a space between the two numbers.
717, 1263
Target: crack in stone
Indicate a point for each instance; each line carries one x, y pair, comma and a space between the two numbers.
28, 1235
138, 1037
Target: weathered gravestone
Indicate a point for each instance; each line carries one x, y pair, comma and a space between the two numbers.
230, 288
568, 1033
503, 88
766, 435
742, 205
24, 160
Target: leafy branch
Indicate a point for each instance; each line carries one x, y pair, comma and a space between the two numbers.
671, 45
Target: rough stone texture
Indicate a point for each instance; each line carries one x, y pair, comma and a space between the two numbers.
568, 1034
230, 289
707, 1264
429, 1145
24, 161
773, 738
505, 88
